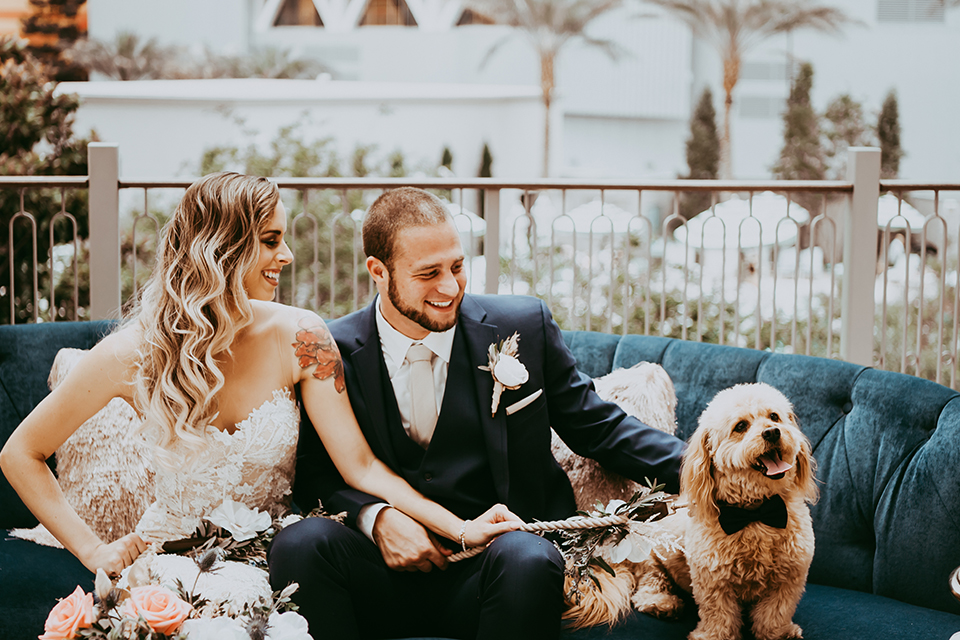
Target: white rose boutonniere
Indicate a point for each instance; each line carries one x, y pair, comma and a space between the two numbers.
242, 522
507, 371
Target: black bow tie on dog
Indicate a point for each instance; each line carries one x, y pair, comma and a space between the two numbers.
771, 512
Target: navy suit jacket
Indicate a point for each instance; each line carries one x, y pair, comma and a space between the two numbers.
526, 476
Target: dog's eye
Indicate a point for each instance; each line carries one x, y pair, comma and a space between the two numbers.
741, 426
775, 417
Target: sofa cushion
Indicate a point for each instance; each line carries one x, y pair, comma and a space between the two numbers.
32, 579
824, 613
26, 355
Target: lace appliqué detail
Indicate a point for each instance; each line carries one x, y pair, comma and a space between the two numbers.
253, 465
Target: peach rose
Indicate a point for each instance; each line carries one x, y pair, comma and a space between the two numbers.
159, 606
72, 613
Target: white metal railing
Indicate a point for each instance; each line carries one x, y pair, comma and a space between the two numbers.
780, 284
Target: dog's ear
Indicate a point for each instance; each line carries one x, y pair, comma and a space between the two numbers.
806, 467
696, 474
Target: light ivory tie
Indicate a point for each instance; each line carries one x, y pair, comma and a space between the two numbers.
423, 397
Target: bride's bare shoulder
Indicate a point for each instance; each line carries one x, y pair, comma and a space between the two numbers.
284, 317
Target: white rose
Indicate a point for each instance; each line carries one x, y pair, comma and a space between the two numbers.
222, 628
293, 518
242, 523
510, 372
613, 505
287, 626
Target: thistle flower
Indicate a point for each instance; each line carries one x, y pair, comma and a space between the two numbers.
257, 626
207, 560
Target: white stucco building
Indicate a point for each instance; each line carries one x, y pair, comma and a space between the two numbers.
623, 118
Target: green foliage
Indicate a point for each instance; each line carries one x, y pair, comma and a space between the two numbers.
129, 57
801, 157
703, 145
446, 160
485, 171
843, 126
703, 154
888, 133
37, 140
486, 163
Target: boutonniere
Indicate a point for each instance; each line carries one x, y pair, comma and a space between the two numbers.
507, 371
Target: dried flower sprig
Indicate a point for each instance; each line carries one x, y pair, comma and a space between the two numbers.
587, 550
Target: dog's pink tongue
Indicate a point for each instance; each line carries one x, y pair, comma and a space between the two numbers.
774, 464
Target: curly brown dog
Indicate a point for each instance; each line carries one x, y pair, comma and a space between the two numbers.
747, 478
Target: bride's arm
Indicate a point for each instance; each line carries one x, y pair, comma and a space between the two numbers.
322, 388
98, 377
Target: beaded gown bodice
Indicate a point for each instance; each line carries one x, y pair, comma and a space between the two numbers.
253, 465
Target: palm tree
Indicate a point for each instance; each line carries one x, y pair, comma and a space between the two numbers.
548, 25
732, 27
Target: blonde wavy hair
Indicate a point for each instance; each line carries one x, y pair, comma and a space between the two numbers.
195, 304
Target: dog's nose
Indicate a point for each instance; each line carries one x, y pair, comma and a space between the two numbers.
771, 434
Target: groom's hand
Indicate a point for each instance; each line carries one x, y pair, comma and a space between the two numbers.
405, 544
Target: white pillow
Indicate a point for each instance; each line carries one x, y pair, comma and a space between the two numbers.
643, 391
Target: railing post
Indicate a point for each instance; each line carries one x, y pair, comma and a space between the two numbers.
491, 240
860, 256
103, 159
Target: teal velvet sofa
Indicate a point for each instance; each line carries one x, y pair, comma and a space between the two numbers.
887, 445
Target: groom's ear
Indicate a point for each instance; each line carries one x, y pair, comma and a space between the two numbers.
378, 270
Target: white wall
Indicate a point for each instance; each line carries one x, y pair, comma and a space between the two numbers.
163, 127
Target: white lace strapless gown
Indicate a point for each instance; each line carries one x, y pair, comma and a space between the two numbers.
254, 465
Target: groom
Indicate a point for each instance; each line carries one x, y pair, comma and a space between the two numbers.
429, 418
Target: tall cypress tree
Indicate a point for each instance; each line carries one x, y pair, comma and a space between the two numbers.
486, 171
802, 156
888, 133
703, 145
703, 154
843, 127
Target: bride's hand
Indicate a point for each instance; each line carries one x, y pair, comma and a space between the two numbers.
116, 556
496, 521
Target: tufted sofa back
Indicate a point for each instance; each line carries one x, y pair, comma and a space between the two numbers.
887, 447
26, 355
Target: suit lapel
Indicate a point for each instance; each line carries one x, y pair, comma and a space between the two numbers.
479, 336
368, 380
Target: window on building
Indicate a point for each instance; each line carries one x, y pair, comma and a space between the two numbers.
388, 12
297, 13
470, 16
764, 71
760, 107
910, 10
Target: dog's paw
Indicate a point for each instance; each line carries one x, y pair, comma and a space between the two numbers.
713, 634
657, 603
789, 632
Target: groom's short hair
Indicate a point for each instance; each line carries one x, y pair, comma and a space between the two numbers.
398, 209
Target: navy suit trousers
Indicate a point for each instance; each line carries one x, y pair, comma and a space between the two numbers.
513, 590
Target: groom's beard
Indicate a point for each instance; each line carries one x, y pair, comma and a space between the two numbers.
417, 315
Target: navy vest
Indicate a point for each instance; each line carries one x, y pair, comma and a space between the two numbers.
454, 471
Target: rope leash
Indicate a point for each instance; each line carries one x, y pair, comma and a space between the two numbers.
571, 524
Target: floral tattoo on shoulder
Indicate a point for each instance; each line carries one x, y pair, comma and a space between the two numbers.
315, 346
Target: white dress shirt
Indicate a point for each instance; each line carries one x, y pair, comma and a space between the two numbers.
394, 346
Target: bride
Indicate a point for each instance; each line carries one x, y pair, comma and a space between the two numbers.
211, 364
